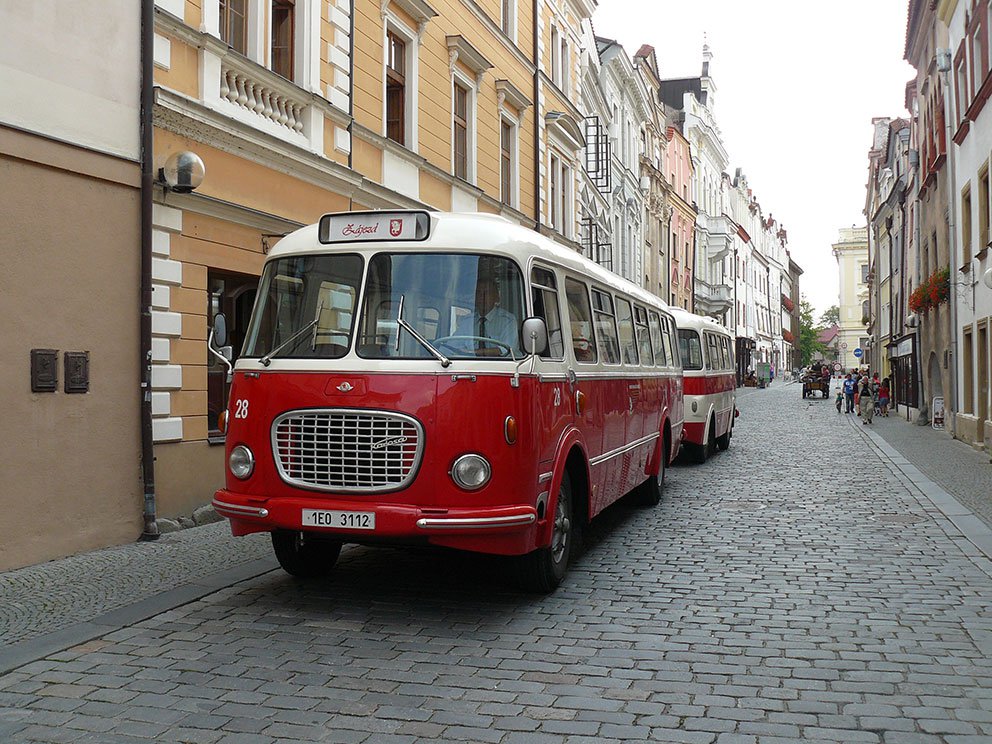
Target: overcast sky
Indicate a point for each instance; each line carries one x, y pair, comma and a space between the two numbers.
797, 86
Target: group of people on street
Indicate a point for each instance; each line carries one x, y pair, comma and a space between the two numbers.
864, 395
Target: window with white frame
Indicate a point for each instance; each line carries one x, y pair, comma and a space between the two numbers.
273, 33
508, 18
565, 63
555, 56
508, 190
560, 194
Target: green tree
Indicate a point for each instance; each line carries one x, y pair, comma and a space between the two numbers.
808, 333
830, 316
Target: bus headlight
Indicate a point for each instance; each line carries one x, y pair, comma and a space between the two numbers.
471, 472
241, 462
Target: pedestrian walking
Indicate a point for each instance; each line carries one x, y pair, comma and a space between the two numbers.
883, 397
866, 400
840, 399
848, 387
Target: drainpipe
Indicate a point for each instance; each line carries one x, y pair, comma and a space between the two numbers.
150, 529
952, 246
537, 119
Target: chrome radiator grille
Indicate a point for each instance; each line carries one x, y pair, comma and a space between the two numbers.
356, 451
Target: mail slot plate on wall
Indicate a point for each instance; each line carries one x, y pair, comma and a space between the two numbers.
44, 370
77, 371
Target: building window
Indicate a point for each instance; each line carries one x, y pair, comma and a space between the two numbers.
966, 223
282, 37
555, 52
460, 130
968, 368
395, 88
864, 273
983, 209
508, 12
234, 24
553, 190
563, 76
506, 165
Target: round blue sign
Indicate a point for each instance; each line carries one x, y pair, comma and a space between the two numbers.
858, 352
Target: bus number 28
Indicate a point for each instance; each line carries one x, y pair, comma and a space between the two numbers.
241, 409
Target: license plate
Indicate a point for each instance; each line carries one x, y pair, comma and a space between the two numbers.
342, 520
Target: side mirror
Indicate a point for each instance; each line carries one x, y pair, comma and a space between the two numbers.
220, 330
535, 336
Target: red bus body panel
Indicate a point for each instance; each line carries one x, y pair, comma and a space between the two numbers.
618, 437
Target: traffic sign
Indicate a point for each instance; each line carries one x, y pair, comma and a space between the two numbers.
836, 366
858, 353
843, 344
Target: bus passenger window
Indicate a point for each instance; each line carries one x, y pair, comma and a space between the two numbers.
713, 344
606, 327
643, 336
671, 348
730, 354
661, 349
625, 321
544, 290
580, 321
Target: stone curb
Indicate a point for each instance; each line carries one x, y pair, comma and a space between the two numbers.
18, 654
964, 520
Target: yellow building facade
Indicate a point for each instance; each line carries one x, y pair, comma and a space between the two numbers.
299, 109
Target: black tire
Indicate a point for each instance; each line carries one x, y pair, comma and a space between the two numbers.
304, 555
649, 493
723, 441
701, 452
542, 570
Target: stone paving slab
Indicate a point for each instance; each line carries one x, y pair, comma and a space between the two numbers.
782, 591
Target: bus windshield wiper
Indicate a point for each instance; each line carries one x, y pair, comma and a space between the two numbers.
267, 359
445, 362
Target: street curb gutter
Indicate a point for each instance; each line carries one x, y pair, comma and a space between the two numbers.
971, 527
18, 654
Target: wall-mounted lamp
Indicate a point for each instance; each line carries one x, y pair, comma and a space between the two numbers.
182, 172
987, 278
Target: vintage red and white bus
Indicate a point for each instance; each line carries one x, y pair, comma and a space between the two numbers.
458, 380
709, 384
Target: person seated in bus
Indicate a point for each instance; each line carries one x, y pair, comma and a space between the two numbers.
489, 320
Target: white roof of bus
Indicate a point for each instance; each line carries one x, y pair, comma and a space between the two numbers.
685, 319
471, 232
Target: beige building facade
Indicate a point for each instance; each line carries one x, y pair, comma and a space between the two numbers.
70, 189
851, 252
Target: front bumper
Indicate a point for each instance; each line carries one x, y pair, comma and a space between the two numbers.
392, 521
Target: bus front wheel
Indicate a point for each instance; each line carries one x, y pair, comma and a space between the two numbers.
542, 570
305, 556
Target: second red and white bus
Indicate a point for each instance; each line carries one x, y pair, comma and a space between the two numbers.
709, 387
458, 380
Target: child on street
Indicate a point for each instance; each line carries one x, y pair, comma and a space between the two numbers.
840, 399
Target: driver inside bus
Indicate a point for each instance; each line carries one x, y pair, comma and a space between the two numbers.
489, 320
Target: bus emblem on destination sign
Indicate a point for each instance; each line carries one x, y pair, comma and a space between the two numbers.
387, 442
395, 227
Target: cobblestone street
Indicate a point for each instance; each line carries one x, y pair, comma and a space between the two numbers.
801, 587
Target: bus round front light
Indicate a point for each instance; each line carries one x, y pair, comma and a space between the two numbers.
471, 472
241, 462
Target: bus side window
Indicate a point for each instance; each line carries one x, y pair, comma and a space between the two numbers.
544, 291
671, 343
625, 322
716, 359
730, 354
662, 352
580, 321
606, 326
643, 336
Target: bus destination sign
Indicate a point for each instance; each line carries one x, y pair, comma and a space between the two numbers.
356, 227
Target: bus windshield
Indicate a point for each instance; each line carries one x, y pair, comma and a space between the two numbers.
305, 307
466, 306
690, 350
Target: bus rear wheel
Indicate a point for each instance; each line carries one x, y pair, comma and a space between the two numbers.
303, 555
542, 570
650, 491
723, 441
